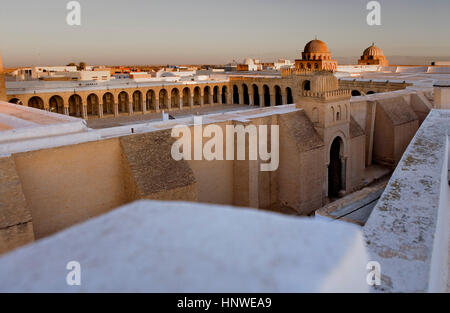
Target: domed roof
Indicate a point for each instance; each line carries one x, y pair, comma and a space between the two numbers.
373, 51
316, 46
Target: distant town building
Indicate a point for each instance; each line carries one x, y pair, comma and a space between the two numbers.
283, 64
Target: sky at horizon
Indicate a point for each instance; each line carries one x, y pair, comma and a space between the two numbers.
217, 32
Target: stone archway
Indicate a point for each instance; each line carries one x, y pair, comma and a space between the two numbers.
267, 101
56, 104
278, 96
256, 98
92, 105
356, 93
224, 95
206, 95
175, 98
75, 106
36, 102
246, 96
123, 102
336, 169
197, 95
235, 94
163, 99
137, 101
290, 98
306, 85
216, 94
108, 103
150, 100
186, 97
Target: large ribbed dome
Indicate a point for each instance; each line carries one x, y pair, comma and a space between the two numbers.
316, 46
373, 51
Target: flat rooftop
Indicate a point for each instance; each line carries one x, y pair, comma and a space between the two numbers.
39, 129
23, 128
419, 76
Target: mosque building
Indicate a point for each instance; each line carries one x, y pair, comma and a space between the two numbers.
339, 141
316, 56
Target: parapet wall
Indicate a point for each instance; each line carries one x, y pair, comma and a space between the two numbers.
408, 230
16, 226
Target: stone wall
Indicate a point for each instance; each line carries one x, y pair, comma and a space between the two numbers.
68, 185
371, 86
408, 230
302, 164
16, 226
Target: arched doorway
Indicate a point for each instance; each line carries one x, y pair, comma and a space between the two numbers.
371, 92
175, 98
246, 94
137, 101
163, 100
36, 102
197, 96
307, 85
278, 96
56, 104
266, 96
92, 105
224, 95
356, 93
235, 95
15, 101
186, 97
150, 100
75, 106
206, 95
256, 96
336, 172
108, 103
216, 94
124, 102
290, 99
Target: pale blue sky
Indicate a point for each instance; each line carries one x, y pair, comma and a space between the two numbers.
213, 31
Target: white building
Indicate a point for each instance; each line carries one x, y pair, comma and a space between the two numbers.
283, 64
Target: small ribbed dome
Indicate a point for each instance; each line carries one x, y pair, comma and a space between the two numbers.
316, 46
373, 51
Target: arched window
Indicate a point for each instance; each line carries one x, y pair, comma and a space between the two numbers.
315, 115
306, 85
